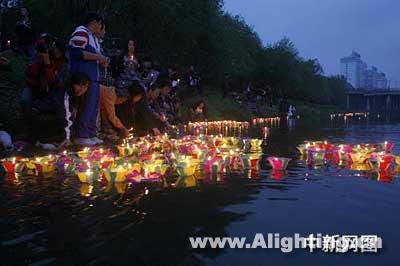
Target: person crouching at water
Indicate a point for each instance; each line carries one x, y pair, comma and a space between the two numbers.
110, 98
74, 101
148, 118
198, 112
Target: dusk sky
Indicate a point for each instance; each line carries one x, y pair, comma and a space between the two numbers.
330, 29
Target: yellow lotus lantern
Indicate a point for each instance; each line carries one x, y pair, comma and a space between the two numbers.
116, 173
84, 153
359, 157
256, 144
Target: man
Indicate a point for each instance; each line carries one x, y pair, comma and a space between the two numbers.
110, 98
85, 57
148, 118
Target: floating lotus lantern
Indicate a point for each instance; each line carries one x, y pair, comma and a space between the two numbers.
328, 146
120, 187
236, 164
13, 165
134, 177
234, 141
214, 165
316, 155
278, 163
387, 146
85, 153
65, 165
385, 176
184, 169
252, 161
256, 144
157, 167
45, 165
359, 157
86, 189
277, 174
381, 162
360, 167
126, 150
186, 181
363, 148
116, 173
303, 148
397, 160
87, 176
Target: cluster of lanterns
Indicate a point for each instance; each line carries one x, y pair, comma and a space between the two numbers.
267, 120
375, 158
347, 116
148, 159
224, 127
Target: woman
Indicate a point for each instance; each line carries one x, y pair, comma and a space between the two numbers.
129, 63
198, 111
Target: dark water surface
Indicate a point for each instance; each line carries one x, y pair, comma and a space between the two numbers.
58, 221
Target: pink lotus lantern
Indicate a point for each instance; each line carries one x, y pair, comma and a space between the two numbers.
328, 146
385, 176
266, 131
385, 162
278, 163
134, 177
277, 174
236, 163
213, 166
387, 146
381, 162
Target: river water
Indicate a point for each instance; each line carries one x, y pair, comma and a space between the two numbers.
58, 221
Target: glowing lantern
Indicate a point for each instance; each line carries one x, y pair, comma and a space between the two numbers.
278, 163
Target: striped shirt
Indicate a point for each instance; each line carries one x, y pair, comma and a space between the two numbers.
82, 37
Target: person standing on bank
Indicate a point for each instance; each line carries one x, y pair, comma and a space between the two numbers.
86, 57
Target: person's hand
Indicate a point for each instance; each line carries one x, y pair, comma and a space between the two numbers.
104, 60
163, 118
156, 132
124, 132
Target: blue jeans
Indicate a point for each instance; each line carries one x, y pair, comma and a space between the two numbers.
87, 126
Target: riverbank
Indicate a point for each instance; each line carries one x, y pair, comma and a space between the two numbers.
218, 108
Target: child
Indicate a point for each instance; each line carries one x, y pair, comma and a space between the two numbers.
199, 112
74, 101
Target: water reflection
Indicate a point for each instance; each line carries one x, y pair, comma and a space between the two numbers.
47, 219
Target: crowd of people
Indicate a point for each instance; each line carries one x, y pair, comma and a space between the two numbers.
95, 98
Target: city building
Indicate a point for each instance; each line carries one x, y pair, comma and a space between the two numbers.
351, 68
358, 76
